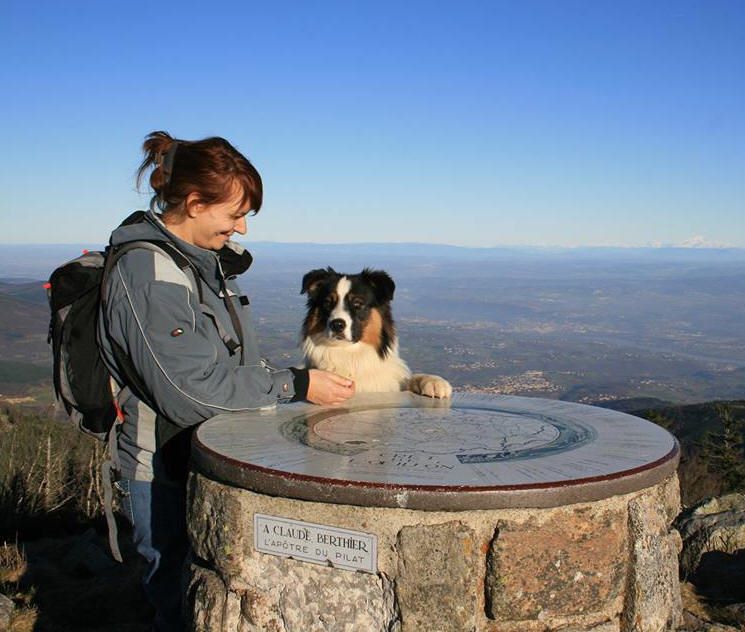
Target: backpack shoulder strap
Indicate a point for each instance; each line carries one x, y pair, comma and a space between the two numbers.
183, 262
113, 255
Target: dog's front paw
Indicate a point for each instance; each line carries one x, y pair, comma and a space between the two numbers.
430, 386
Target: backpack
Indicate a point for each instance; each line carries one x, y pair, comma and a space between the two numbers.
82, 383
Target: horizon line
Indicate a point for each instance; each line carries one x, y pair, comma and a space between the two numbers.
248, 244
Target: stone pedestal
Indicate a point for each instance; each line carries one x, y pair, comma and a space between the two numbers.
490, 514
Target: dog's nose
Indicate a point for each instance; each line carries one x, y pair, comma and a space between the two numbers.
337, 325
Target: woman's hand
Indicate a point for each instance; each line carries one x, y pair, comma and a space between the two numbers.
328, 389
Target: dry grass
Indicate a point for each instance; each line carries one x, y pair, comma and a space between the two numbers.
12, 563
24, 620
49, 475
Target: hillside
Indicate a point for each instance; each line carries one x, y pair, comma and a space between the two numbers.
30, 291
695, 426
24, 322
25, 358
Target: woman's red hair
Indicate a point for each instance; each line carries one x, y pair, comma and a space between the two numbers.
207, 167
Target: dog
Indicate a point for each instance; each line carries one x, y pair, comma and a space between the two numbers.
349, 330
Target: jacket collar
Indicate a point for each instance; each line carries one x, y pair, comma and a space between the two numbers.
212, 266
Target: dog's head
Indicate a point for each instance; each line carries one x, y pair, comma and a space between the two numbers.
349, 308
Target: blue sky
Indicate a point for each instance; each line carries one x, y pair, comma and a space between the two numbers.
471, 123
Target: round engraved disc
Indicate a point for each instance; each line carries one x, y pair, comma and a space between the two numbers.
470, 452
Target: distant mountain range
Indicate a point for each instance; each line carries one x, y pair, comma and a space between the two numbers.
36, 261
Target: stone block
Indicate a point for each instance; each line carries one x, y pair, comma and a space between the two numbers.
668, 494
571, 564
608, 626
286, 596
205, 597
567, 569
653, 602
319, 599
216, 518
437, 587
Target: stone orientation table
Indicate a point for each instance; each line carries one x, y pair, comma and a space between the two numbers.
401, 513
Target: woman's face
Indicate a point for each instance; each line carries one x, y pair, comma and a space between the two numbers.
212, 224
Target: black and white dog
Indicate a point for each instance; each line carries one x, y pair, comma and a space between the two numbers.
349, 330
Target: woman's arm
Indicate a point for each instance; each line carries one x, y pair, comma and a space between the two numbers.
171, 344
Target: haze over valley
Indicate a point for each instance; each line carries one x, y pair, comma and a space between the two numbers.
588, 325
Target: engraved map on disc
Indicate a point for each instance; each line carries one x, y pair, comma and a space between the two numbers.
471, 435
400, 439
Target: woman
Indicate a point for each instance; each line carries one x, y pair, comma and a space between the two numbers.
176, 335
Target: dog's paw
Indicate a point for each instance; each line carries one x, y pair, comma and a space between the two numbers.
430, 386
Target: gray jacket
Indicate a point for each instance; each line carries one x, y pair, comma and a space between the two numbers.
177, 345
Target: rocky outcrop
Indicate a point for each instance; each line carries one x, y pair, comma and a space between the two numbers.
713, 556
714, 524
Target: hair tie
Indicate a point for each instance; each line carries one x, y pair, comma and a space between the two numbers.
167, 164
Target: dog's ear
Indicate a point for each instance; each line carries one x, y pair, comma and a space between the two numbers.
313, 279
382, 284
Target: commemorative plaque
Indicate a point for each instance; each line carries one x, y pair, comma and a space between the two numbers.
316, 543
400, 512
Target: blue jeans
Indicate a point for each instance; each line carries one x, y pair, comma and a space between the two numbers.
158, 516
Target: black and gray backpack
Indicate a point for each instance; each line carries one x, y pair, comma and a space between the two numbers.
82, 382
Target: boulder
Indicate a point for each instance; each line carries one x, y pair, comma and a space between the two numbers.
713, 555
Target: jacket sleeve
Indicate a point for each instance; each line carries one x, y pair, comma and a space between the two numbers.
171, 344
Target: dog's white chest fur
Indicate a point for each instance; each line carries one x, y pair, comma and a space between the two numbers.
359, 362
